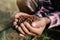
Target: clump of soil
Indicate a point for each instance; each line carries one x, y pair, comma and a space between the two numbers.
29, 19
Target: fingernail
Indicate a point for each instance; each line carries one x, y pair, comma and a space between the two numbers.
16, 16
16, 20
16, 26
14, 23
21, 35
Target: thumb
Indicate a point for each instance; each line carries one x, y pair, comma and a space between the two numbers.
35, 24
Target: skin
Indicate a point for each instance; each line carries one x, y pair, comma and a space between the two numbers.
27, 29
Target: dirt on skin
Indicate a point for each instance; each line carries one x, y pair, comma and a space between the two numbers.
29, 19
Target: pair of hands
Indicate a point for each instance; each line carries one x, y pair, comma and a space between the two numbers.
35, 29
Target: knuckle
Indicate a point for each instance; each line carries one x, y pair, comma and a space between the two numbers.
16, 20
16, 26
14, 23
22, 24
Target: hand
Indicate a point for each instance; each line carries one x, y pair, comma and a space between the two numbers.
36, 28
22, 30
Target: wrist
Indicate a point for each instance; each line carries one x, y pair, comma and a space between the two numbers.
46, 20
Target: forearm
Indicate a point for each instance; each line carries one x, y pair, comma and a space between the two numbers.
52, 18
47, 20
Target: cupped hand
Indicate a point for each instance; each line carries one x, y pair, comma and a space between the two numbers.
36, 28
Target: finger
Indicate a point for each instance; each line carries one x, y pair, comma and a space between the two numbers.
16, 16
22, 35
19, 29
34, 30
21, 13
28, 26
26, 30
16, 20
14, 23
16, 26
